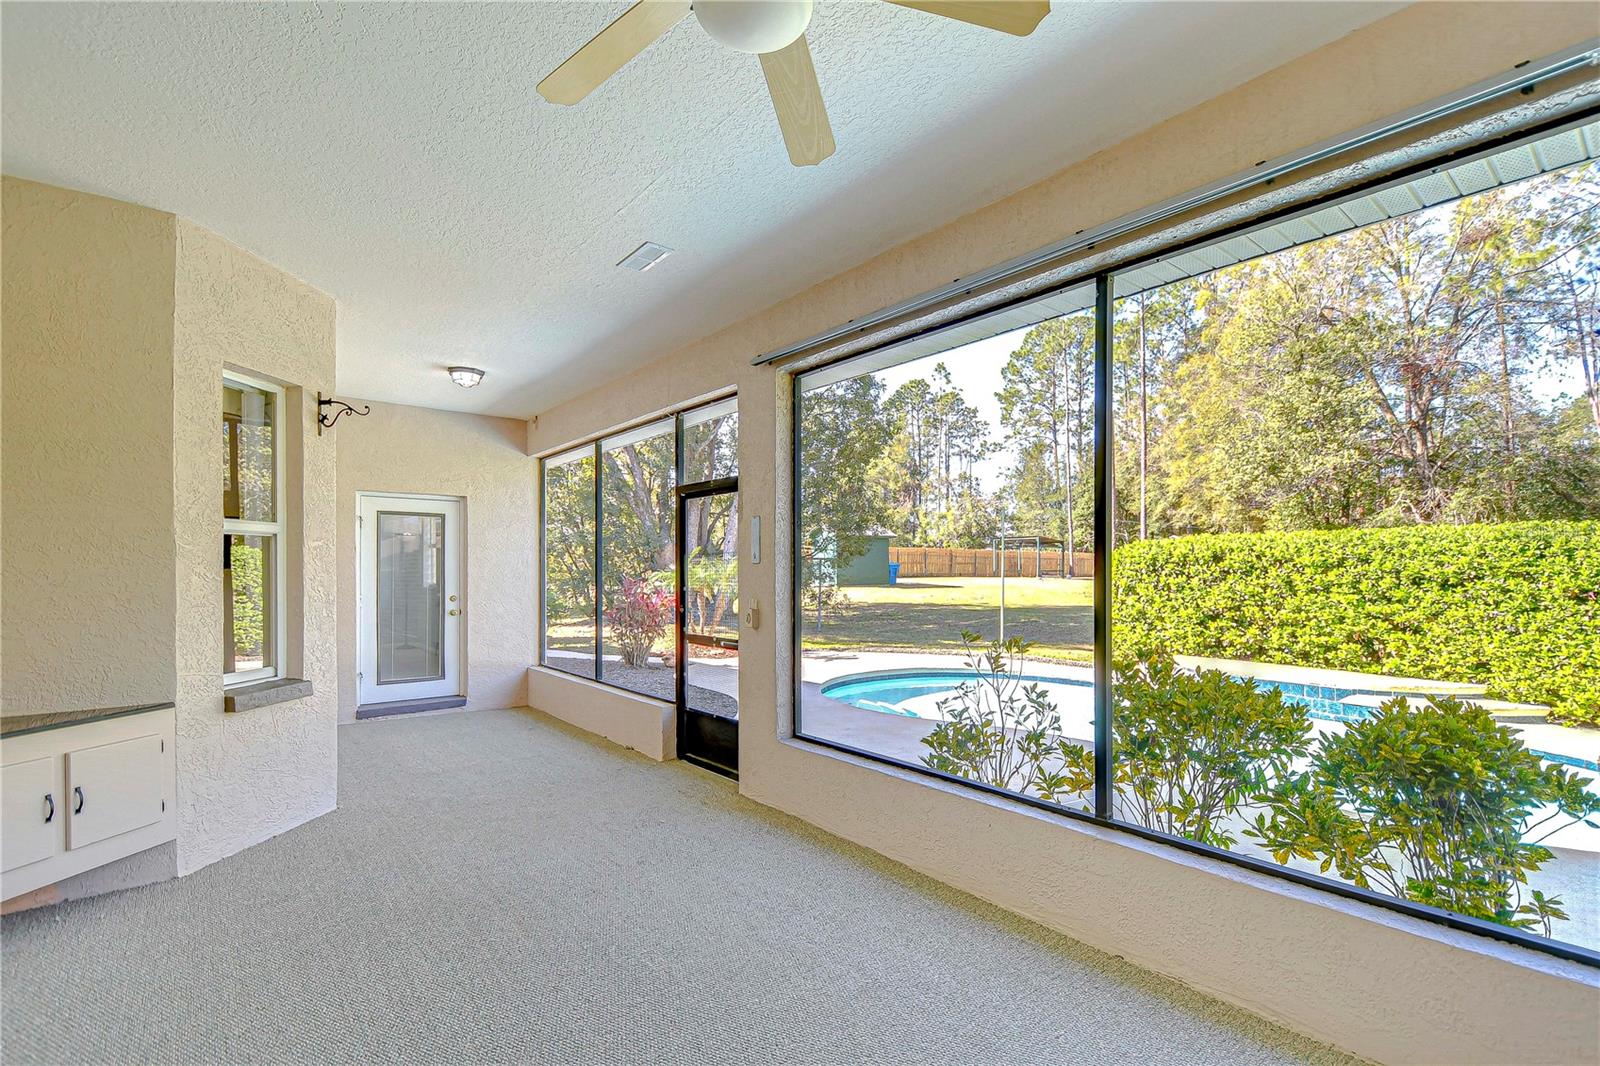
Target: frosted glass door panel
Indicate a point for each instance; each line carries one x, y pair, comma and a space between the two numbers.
410, 597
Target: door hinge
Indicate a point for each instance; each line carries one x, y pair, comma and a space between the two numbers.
163, 745
163, 805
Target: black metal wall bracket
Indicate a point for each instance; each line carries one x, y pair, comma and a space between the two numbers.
326, 421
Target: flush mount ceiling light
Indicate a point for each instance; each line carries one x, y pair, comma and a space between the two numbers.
776, 31
466, 376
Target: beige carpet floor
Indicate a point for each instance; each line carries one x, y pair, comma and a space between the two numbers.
496, 887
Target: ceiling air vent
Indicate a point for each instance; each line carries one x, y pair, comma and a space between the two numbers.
645, 256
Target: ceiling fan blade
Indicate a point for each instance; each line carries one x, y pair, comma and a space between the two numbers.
628, 35
796, 96
1008, 16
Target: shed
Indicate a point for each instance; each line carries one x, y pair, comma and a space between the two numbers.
871, 567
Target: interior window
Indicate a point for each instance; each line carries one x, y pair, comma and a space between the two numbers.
946, 502
1358, 478
609, 549
1352, 495
252, 531
638, 553
569, 562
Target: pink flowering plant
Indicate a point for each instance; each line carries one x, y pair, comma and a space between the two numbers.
638, 618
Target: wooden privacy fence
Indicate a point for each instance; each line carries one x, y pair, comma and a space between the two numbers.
985, 562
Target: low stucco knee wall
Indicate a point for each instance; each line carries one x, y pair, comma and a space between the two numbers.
638, 722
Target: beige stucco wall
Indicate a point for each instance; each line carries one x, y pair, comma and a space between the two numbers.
118, 323
484, 461
248, 776
87, 535
1383, 985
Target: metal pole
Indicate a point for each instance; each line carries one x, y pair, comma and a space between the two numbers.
1002, 577
680, 584
599, 569
539, 590
1103, 499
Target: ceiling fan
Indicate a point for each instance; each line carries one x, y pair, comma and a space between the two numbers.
776, 31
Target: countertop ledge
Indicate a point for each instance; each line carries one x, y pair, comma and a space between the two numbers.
265, 694
15, 725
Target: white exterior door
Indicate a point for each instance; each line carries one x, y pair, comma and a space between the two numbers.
410, 602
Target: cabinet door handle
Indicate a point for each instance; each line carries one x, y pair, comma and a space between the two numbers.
77, 792
49, 807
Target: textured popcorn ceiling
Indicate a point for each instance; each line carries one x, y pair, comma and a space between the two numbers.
398, 158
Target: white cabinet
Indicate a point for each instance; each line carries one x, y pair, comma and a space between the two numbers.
114, 789
30, 818
74, 797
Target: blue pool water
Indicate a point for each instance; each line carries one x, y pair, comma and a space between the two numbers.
915, 694
890, 693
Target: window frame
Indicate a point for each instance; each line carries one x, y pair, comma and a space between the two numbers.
562, 457
667, 426
274, 530
1104, 277
594, 446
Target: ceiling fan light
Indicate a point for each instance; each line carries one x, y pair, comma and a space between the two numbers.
466, 376
754, 26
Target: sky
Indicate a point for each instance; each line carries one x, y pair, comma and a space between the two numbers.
975, 372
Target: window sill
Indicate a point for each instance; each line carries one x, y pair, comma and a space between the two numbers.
265, 694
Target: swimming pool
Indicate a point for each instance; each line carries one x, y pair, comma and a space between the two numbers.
917, 693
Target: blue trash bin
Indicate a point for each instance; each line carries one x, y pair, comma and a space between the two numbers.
894, 573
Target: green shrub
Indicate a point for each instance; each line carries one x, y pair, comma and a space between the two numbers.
1431, 803
713, 590
249, 609
1515, 606
1000, 731
1191, 749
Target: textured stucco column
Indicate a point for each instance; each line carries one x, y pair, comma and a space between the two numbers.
248, 776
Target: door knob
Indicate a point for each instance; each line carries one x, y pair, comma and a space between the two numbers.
49, 807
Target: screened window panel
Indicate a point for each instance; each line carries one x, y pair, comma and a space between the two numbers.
569, 564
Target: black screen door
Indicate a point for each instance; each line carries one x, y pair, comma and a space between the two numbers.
708, 624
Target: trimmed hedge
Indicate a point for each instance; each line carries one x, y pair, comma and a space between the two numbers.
1515, 606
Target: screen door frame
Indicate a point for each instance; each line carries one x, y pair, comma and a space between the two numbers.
708, 740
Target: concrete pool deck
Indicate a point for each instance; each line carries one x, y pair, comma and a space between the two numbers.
1577, 745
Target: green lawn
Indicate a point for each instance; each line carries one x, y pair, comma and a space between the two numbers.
929, 613
1056, 614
